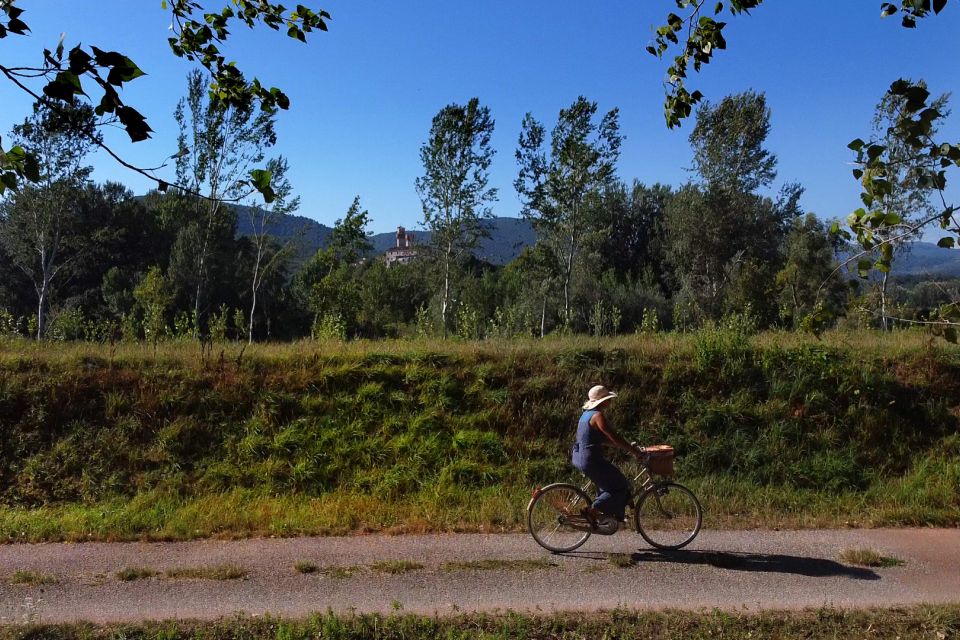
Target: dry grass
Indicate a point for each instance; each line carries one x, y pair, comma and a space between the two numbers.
32, 578
396, 567
305, 566
621, 560
218, 572
869, 558
340, 572
493, 564
914, 623
129, 574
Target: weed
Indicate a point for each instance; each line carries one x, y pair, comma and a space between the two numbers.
32, 578
869, 558
340, 572
395, 567
129, 574
913, 623
304, 566
218, 572
498, 565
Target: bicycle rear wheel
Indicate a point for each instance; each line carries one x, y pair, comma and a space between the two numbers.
554, 520
668, 515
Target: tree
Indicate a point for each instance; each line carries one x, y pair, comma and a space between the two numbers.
197, 35
633, 233
218, 146
155, 297
350, 239
556, 190
722, 232
262, 219
804, 281
906, 198
41, 225
875, 231
329, 283
454, 188
728, 141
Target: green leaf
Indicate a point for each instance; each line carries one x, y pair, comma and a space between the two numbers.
856, 145
64, 87
945, 243
863, 267
31, 168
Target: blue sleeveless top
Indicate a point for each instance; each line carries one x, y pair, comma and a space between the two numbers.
588, 439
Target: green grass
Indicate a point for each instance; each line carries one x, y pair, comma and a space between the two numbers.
304, 566
218, 572
130, 574
926, 622
32, 578
340, 572
496, 564
396, 567
777, 430
869, 558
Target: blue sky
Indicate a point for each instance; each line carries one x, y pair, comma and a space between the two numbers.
363, 94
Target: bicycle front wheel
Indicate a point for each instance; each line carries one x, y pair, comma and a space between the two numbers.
668, 515
554, 520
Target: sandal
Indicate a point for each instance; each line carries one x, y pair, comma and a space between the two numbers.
590, 518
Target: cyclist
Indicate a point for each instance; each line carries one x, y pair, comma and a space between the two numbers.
593, 431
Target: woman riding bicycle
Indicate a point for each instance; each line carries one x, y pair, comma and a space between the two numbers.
592, 432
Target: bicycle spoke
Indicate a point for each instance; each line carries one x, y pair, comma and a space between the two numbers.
554, 518
668, 516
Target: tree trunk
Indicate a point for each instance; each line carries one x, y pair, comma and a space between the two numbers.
883, 302
253, 307
41, 325
568, 271
446, 292
253, 292
543, 317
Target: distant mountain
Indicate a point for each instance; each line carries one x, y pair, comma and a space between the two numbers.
926, 258
508, 236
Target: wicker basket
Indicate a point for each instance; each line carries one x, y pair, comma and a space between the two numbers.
661, 459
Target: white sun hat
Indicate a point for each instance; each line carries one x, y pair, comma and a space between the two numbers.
598, 395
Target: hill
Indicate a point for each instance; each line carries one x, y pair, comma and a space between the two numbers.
508, 237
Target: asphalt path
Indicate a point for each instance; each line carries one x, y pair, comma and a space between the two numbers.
721, 569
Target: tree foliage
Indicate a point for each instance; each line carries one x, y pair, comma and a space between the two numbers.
97, 76
557, 189
454, 188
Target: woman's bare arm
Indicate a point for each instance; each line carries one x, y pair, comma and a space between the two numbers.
615, 439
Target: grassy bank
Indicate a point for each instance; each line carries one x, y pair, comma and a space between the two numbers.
931, 623
128, 442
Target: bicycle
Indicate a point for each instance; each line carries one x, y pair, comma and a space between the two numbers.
666, 514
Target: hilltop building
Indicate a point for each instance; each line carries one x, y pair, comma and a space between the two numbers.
405, 251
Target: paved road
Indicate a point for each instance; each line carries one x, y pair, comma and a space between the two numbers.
745, 569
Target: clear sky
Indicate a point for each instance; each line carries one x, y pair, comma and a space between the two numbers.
364, 93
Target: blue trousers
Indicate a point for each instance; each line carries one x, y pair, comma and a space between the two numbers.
613, 485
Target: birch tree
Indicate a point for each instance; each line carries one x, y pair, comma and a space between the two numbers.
40, 225
454, 187
266, 255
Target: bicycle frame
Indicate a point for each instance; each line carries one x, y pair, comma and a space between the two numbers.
642, 482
